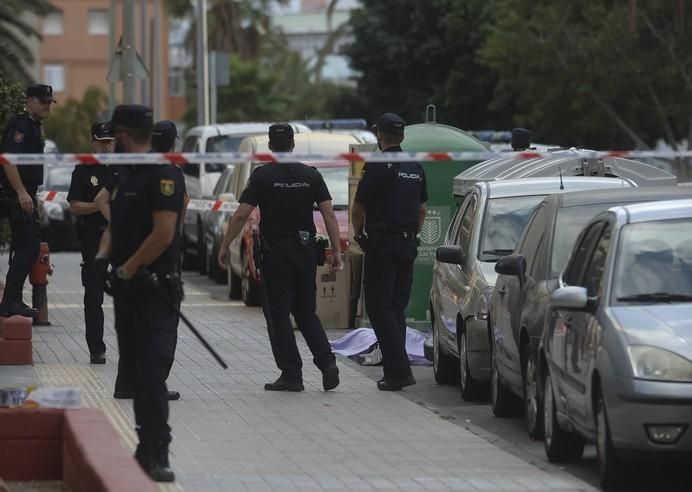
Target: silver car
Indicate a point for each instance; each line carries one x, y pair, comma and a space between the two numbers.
485, 227
617, 349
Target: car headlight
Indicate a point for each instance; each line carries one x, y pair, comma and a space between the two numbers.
658, 364
483, 303
54, 210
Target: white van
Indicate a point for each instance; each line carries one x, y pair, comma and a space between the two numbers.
200, 179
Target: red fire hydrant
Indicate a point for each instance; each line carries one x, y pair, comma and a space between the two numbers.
38, 277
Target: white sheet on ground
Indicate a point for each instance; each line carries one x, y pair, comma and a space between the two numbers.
362, 339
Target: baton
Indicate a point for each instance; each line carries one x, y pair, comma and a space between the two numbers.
259, 266
147, 275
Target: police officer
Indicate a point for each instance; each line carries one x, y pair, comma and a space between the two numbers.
286, 194
23, 134
388, 212
86, 182
146, 205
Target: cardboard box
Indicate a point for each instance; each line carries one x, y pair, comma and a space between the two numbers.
333, 296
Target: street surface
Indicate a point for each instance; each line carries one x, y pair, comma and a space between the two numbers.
229, 434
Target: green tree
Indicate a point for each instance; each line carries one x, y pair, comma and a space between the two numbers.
15, 56
411, 53
69, 124
11, 99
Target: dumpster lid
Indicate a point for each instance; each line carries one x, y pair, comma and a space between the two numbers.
565, 162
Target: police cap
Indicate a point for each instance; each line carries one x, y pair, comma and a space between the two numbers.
43, 92
135, 116
163, 136
101, 132
390, 123
280, 132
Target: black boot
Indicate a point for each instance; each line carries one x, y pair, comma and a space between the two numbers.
159, 470
12, 302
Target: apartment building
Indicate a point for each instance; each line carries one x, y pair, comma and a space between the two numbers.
75, 50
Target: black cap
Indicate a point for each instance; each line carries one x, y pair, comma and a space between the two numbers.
521, 138
43, 92
390, 123
101, 132
163, 136
133, 116
281, 131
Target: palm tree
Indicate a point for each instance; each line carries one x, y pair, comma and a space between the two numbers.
15, 56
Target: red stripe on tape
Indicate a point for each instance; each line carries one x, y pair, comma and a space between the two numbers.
530, 155
440, 156
51, 195
86, 159
618, 153
351, 156
264, 157
216, 206
3, 160
175, 158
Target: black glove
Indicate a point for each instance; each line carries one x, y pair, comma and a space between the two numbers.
99, 272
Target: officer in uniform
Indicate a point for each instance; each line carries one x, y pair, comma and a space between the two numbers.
23, 135
143, 247
86, 182
388, 212
286, 194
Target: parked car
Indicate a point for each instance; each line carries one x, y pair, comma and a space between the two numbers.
58, 225
618, 362
213, 225
242, 276
200, 179
520, 305
485, 227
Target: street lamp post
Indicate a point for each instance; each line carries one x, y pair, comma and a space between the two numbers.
202, 64
129, 53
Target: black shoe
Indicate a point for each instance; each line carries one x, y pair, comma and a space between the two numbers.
12, 308
330, 377
172, 395
158, 468
395, 385
283, 385
123, 394
142, 455
98, 358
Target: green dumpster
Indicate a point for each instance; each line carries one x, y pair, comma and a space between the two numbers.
434, 137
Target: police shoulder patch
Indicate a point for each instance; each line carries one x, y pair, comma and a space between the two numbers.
18, 137
167, 187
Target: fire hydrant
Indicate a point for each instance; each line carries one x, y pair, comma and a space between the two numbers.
38, 277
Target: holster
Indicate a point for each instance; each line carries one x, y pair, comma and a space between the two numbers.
172, 286
321, 245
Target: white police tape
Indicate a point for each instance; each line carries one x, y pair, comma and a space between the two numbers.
204, 205
235, 157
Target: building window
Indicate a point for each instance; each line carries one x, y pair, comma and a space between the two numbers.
98, 22
53, 24
176, 82
54, 75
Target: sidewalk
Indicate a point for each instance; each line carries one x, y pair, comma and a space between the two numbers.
231, 435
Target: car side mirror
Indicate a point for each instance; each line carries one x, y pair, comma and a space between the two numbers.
450, 254
513, 265
571, 298
227, 197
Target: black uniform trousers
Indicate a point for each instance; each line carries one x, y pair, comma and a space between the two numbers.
93, 289
146, 330
26, 242
289, 275
387, 284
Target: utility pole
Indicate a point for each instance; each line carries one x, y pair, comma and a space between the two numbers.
129, 53
144, 49
156, 99
202, 64
111, 56
213, 88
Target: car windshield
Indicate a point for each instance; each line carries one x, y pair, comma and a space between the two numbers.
222, 143
59, 179
570, 222
336, 179
654, 262
505, 220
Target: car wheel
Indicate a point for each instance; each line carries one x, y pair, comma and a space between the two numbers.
235, 286
533, 407
560, 446
504, 402
217, 273
609, 466
468, 385
250, 291
201, 252
189, 260
444, 367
